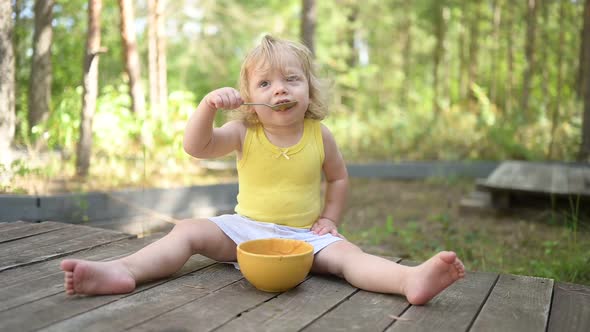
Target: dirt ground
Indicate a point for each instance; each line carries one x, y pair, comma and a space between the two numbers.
415, 219
379, 209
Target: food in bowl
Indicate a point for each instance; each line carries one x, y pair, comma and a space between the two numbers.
275, 264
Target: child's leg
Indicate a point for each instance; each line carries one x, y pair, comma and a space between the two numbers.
419, 284
159, 259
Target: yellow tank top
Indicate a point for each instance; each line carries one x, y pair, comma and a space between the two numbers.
281, 185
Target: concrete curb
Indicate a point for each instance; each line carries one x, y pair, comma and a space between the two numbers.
179, 203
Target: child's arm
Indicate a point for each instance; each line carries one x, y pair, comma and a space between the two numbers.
201, 140
336, 177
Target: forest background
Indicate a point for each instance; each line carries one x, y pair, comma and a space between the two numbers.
407, 80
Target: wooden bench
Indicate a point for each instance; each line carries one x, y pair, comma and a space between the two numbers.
206, 295
544, 182
514, 184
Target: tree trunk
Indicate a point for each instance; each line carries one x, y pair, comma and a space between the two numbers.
439, 50
7, 70
530, 55
580, 79
474, 45
557, 101
16, 42
461, 83
584, 154
41, 72
153, 58
544, 58
157, 58
351, 57
496, 21
407, 51
510, 59
308, 23
132, 65
90, 85
162, 67
351, 22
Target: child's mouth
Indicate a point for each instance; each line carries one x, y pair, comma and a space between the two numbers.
284, 105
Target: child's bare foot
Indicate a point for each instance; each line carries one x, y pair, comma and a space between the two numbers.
89, 278
433, 276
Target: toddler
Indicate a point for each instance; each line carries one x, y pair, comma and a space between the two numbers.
281, 156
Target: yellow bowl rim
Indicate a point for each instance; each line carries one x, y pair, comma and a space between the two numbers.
310, 249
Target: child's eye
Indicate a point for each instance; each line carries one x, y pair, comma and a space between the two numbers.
292, 78
263, 84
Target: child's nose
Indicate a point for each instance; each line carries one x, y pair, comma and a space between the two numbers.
280, 88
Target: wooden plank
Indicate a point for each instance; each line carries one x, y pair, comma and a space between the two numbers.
507, 169
58, 243
546, 178
559, 180
511, 172
527, 177
364, 311
570, 308
5, 226
24, 230
506, 175
39, 270
578, 181
33, 282
517, 303
140, 307
13, 226
538, 177
209, 312
295, 309
452, 310
56, 308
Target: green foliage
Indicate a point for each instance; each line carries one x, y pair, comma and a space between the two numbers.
16, 168
114, 123
61, 130
382, 99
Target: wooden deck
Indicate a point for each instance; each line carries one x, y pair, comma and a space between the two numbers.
206, 295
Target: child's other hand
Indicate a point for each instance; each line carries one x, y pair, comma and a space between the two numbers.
224, 98
324, 226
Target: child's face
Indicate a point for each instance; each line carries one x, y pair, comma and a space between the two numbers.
278, 85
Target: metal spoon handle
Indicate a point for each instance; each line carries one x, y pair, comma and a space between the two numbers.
277, 107
257, 104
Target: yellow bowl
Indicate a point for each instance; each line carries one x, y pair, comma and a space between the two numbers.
275, 265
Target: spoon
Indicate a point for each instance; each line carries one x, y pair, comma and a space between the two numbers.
276, 107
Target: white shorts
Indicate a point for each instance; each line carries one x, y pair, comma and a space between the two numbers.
241, 229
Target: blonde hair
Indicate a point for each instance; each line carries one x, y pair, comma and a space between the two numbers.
271, 53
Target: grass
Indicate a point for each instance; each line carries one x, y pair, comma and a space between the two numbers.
560, 256
419, 218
